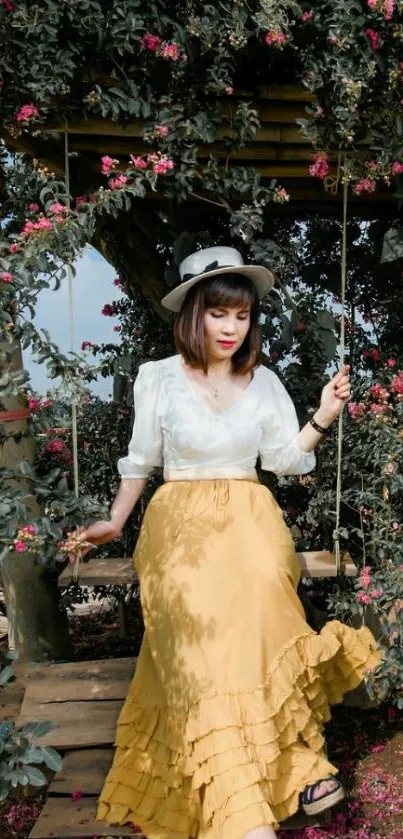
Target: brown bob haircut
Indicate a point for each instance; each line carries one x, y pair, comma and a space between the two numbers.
222, 291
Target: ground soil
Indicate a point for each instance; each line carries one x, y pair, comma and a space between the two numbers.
367, 746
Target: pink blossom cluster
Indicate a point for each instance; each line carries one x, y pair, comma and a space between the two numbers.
25, 536
8, 5
26, 114
166, 49
365, 582
364, 185
117, 282
281, 196
118, 182
6, 277
385, 7
397, 384
357, 410
160, 164
372, 355
162, 130
54, 446
13, 248
307, 16
380, 393
84, 199
109, 310
108, 163
320, 166
34, 207
275, 39
57, 209
397, 168
31, 228
374, 38
87, 345
36, 404
19, 815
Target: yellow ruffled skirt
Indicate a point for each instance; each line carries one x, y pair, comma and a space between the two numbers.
222, 725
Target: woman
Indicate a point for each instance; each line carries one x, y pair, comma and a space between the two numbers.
220, 736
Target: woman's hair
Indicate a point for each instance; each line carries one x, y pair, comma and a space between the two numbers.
222, 291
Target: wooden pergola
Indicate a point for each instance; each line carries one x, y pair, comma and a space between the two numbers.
279, 150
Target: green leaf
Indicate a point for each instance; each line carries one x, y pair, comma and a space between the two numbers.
35, 777
52, 758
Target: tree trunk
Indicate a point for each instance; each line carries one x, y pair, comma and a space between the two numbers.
38, 628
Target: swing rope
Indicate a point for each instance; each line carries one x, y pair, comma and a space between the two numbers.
336, 532
69, 271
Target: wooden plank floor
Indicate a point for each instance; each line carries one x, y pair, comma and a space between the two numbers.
83, 701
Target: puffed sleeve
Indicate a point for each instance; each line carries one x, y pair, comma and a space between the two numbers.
145, 447
279, 450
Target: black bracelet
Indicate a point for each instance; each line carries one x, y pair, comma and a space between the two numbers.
319, 428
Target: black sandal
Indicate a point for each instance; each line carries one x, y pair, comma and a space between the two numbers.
312, 806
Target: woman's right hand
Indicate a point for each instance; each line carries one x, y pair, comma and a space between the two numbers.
98, 533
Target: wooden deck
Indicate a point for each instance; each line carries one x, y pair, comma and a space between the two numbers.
83, 700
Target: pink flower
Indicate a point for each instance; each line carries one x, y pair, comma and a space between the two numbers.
30, 529
151, 42
32, 227
379, 392
81, 199
109, 310
57, 209
320, 166
86, 345
34, 207
8, 5
20, 547
162, 130
281, 196
26, 113
53, 446
364, 185
76, 795
108, 163
397, 383
385, 7
363, 598
160, 165
301, 326
34, 404
117, 183
229, 90
13, 248
379, 747
171, 51
374, 38
138, 162
306, 16
117, 282
356, 410
276, 39
376, 594
397, 168
6, 277
365, 577
117, 328
391, 362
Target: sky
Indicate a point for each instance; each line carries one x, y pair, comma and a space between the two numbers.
92, 288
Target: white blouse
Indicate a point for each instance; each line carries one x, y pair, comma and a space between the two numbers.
174, 427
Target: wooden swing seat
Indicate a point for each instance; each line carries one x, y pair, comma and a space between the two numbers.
117, 571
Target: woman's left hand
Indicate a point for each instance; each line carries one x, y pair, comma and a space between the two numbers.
335, 394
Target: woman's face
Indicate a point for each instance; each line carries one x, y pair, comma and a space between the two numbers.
225, 330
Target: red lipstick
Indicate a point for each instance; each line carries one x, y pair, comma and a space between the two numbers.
227, 344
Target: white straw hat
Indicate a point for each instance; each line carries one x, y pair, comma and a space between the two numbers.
210, 262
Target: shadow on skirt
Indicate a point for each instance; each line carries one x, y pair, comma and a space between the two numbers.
222, 727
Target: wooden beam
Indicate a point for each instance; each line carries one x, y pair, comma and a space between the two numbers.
111, 571
78, 680
64, 818
285, 93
